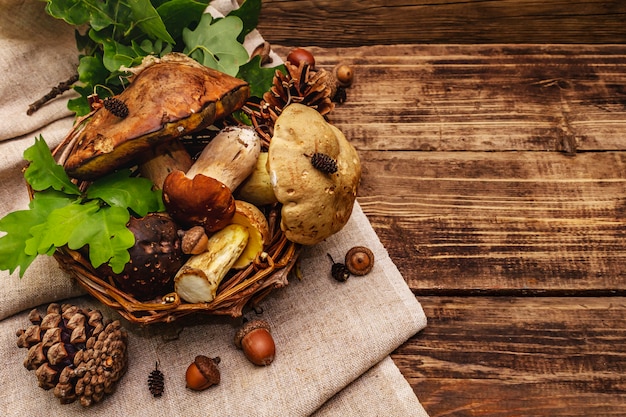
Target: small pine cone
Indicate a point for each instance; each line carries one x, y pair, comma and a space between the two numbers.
74, 352
324, 163
338, 270
300, 84
156, 382
116, 106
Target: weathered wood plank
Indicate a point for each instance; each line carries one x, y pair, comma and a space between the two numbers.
486, 356
332, 23
484, 98
514, 219
502, 222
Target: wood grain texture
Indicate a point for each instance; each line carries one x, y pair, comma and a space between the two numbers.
495, 176
501, 356
501, 222
331, 23
484, 97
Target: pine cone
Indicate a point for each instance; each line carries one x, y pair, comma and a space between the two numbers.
156, 382
116, 106
324, 163
301, 84
74, 352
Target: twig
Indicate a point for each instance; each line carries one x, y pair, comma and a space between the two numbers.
55, 91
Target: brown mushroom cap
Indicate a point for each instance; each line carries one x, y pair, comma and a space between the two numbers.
172, 97
154, 259
201, 201
315, 204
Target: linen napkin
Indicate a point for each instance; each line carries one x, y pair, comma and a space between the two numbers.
333, 339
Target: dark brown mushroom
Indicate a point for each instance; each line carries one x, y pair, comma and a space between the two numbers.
154, 259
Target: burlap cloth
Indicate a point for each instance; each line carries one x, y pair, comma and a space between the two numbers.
333, 339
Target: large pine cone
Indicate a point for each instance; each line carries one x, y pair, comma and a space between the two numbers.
75, 352
300, 84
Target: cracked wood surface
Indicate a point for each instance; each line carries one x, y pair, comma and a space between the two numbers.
495, 177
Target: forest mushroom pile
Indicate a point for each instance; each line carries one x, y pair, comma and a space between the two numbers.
207, 214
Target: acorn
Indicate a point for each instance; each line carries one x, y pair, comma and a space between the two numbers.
359, 260
256, 341
202, 373
300, 55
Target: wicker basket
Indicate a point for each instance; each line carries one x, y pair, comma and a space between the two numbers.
237, 290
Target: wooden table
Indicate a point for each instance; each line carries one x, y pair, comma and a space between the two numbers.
493, 141
495, 175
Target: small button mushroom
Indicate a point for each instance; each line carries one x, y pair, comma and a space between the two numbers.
256, 341
202, 373
194, 241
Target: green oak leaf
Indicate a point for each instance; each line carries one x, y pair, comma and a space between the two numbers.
102, 228
91, 69
119, 189
259, 78
98, 13
109, 239
43, 172
180, 14
115, 54
215, 45
248, 12
148, 20
17, 226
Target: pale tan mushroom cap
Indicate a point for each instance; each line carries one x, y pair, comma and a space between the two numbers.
315, 204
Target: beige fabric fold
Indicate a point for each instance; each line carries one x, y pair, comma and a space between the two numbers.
333, 339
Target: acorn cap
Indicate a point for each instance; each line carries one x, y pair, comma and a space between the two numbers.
168, 97
208, 368
248, 327
359, 260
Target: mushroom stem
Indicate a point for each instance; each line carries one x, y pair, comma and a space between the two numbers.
198, 279
203, 196
163, 159
230, 157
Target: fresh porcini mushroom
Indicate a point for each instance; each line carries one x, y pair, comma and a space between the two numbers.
203, 195
317, 201
199, 277
249, 216
167, 98
162, 159
257, 188
154, 258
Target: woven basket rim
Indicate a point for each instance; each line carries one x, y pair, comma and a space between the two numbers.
243, 288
